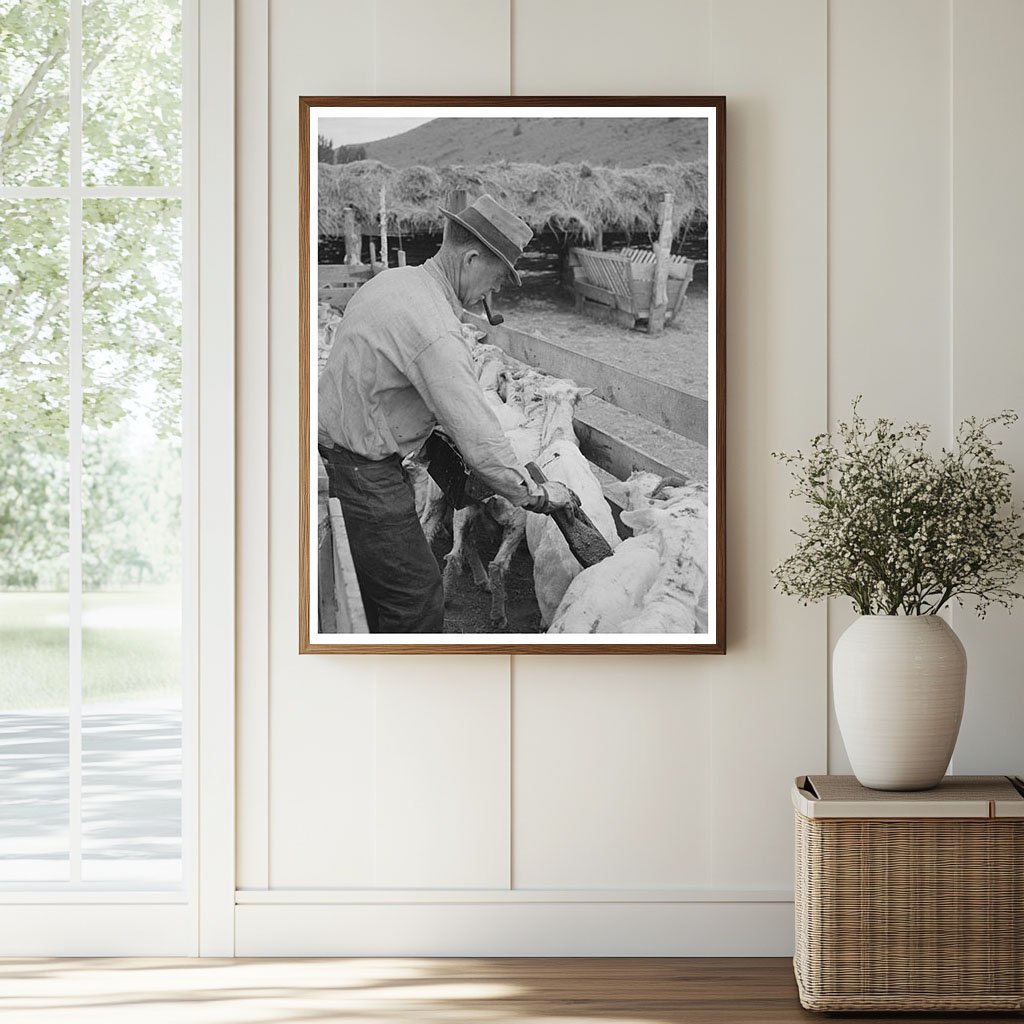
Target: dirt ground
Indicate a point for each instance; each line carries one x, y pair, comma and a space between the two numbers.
468, 607
678, 357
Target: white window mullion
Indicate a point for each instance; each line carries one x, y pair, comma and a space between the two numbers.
190, 453
135, 192
34, 192
95, 191
75, 299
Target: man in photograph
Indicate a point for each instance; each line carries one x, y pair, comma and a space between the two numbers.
399, 367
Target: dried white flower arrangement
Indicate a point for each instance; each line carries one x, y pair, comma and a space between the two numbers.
899, 530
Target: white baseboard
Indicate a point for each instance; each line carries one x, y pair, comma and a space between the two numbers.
99, 928
514, 928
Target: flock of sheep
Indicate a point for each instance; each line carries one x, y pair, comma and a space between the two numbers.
654, 581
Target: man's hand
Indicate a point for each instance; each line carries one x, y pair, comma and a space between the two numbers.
554, 495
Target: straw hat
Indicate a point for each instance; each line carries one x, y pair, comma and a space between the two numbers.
499, 229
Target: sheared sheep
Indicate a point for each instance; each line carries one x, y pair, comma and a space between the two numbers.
521, 422
652, 582
431, 505
560, 459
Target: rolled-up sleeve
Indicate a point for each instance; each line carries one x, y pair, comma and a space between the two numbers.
443, 375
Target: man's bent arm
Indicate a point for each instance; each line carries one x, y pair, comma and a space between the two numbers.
443, 375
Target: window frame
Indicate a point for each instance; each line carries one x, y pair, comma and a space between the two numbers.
197, 917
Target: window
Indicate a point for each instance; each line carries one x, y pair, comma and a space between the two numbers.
96, 469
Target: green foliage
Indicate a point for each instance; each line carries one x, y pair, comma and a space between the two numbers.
131, 308
131, 509
33, 92
33, 514
132, 312
131, 92
900, 530
33, 321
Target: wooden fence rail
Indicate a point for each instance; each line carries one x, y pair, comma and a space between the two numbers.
616, 456
678, 411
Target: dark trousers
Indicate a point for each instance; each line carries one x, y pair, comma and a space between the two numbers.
399, 579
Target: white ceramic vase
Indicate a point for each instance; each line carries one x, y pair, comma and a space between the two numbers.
898, 683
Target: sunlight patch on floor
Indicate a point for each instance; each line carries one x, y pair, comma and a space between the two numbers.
277, 991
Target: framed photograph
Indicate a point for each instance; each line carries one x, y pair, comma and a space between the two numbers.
512, 375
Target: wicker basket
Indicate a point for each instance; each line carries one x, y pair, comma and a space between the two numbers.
910, 901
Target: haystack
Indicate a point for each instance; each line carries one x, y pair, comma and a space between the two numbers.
576, 200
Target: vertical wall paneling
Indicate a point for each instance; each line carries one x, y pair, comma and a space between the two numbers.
327, 826
769, 692
216, 295
889, 248
324, 761
442, 776
576, 47
987, 367
444, 48
612, 781
320, 708
616, 793
252, 591
442, 729
889, 212
872, 248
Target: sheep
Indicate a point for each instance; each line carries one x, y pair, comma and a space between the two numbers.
471, 336
641, 489
328, 319
432, 506
525, 399
522, 416
512, 521
652, 582
524, 421
635, 491
464, 550
431, 503
560, 459
523, 430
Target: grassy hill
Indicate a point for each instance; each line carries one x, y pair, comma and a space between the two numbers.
600, 141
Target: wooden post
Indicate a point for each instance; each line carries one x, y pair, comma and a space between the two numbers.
353, 240
328, 600
599, 240
383, 229
351, 615
457, 200
373, 257
659, 285
401, 257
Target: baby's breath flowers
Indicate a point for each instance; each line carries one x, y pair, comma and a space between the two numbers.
900, 530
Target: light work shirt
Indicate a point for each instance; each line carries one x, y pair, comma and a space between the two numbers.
399, 367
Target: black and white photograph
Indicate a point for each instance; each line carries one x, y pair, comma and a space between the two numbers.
511, 379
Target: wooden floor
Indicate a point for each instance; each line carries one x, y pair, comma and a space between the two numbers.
411, 991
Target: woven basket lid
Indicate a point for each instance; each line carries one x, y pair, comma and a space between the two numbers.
957, 796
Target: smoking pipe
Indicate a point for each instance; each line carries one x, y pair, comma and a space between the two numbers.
494, 319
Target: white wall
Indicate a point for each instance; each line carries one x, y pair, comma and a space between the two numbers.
589, 805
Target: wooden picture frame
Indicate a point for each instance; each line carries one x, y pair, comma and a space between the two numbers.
617, 290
